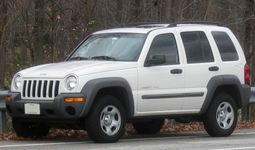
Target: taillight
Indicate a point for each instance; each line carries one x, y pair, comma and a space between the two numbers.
247, 75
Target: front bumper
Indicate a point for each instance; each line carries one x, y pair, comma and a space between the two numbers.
50, 110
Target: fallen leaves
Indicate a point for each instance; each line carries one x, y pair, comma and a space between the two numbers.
10, 135
67, 133
182, 127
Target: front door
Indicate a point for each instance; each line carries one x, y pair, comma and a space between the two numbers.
161, 79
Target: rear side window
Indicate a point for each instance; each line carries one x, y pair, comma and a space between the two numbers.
197, 47
165, 44
225, 46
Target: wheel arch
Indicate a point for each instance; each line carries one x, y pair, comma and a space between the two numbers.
229, 84
115, 86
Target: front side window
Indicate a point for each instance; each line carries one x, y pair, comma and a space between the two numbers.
165, 45
110, 46
225, 45
197, 47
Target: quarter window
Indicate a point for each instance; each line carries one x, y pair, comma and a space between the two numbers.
165, 44
225, 45
197, 47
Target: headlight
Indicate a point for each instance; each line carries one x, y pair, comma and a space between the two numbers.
71, 82
17, 81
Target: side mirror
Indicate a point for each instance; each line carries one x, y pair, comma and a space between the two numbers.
155, 60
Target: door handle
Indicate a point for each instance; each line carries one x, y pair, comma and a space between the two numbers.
214, 68
176, 71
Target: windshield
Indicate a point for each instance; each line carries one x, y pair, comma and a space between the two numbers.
114, 47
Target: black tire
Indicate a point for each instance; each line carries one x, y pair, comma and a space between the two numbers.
149, 127
93, 125
28, 129
211, 124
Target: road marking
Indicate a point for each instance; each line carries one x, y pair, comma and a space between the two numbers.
236, 148
39, 144
178, 137
244, 133
158, 138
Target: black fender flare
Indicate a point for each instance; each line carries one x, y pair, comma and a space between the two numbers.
92, 87
221, 80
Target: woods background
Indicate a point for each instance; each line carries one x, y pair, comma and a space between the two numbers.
33, 32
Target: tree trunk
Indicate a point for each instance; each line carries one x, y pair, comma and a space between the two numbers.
119, 11
248, 48
3, 23
38, 33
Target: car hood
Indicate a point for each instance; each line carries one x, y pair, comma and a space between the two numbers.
62, 69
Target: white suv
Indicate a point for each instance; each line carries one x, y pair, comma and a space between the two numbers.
141, 74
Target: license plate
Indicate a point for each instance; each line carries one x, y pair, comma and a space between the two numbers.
32, 109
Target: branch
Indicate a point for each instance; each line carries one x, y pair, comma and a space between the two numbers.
242, 21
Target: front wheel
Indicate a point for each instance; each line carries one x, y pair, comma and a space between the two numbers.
221, 117
106, 122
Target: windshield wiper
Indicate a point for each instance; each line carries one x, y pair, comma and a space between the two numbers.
103, 58
79, 58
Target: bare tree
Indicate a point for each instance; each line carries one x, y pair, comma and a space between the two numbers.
3, 24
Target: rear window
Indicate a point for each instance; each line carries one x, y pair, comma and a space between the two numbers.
225, 45
197, 47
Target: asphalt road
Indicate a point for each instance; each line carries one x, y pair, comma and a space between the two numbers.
240, 140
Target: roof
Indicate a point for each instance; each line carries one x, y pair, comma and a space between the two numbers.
145, 28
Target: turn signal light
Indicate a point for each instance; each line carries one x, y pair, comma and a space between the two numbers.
74, 99
7, 98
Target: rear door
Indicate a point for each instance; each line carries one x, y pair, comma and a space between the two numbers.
200, 67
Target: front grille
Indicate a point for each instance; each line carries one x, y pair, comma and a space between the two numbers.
40, 89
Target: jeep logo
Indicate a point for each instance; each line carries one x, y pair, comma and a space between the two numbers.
43, 74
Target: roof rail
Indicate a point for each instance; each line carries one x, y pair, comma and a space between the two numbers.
160, 24
196, 22
145, 24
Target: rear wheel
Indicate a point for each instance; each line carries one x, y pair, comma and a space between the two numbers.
28, 129
106, 121
221, 116
149, 127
